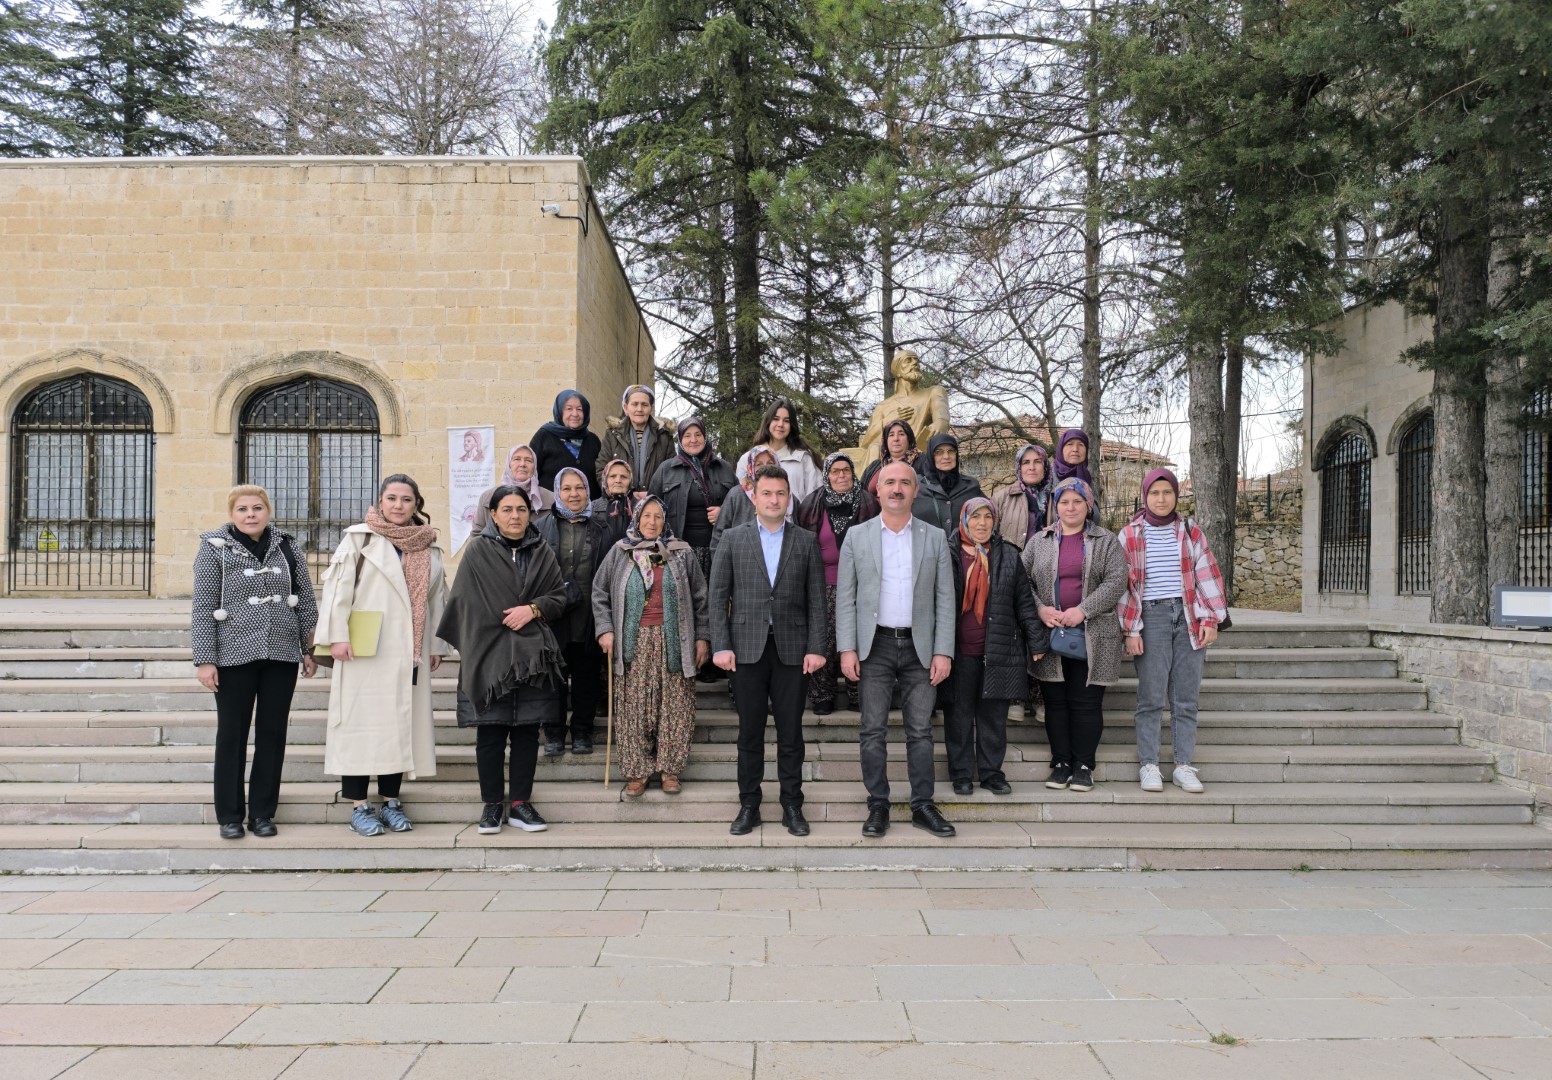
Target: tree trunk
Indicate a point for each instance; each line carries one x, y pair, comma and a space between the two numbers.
747, 227
1233, 388
293, 124
1090, 385
1214, 512
1459, 478
1502, 437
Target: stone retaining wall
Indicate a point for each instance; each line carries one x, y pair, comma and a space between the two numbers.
1268, 564
1497, 683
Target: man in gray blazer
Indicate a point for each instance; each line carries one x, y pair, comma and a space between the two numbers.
767, 600
894, 625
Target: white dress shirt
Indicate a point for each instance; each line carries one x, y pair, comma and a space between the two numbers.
895, 585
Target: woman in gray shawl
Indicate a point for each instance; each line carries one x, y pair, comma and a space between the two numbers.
507, 592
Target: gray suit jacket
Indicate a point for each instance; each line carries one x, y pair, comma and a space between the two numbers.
744, 605
857, 582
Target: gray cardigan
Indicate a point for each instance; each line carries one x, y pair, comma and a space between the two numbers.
609, 600
1104, 582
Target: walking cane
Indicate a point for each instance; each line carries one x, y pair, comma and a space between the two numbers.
609, 719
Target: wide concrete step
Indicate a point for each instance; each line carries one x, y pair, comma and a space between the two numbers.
94, 849
185, 694
152, 662
721, 725
825, 761
561, 802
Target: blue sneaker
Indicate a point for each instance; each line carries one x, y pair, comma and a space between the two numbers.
364, 822
395, 818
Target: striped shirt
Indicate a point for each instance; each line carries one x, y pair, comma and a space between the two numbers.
1162, 578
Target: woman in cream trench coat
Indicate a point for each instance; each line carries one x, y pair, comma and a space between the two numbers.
379, 722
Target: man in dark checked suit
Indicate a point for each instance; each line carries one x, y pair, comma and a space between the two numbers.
767, 600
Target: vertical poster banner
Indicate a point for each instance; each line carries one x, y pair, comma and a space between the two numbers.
471, 464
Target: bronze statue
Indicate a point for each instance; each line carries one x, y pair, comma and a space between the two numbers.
925, 410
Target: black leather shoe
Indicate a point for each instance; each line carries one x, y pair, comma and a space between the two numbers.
928, 819
998, 786
878, 821
963, 787
581, 744
262, 826
793, 821
824, 708
232, 830
554, 748
746, 821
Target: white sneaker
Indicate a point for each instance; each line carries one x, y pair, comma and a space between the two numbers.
1150, 777
1016, 713
1185, 779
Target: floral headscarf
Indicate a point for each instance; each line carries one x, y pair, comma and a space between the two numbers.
754, 454
978, 580
841, 506
648, 554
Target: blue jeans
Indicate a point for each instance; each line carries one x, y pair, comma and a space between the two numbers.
1169, 668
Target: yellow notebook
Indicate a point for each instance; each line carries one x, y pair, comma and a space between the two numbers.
365, 628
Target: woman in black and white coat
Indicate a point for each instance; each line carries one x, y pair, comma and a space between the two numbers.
253, 619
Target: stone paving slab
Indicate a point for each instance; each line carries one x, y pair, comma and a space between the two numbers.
788, 974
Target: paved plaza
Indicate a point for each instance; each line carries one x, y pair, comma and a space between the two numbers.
784, 974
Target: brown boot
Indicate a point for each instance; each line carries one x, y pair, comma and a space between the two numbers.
634, 789
670, 784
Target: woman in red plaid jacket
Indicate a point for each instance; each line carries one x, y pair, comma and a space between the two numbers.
1170, 613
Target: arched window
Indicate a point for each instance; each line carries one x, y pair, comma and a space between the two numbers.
313, 444
81, 474
1536, 493
1344, 515
1414, 508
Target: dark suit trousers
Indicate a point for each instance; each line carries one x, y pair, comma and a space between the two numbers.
893, 661
975, 727
267, 684
781, 686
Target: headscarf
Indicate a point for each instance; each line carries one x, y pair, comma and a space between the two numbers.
647, 554
531, 485
569, 438
748, 481
696, 462
1036, 496
1060, 470
978, 579
1148, 515
1072, 483
910, 455
946, 478
638, 439
841, 507
560, 507
414, 544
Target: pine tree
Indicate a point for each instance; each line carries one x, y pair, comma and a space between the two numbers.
130, 79
27, 66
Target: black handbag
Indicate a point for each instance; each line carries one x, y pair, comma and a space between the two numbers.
1069, 641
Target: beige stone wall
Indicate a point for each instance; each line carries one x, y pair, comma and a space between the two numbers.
438, 285
1497, 683
1364, 383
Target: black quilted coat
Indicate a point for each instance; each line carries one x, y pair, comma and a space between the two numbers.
1014, 631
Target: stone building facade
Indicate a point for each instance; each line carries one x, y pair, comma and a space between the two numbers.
1360, 404
169, 327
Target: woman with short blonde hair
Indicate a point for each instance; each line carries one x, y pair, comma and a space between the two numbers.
251, 626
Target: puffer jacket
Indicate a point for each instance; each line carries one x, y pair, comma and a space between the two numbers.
267, 605
1104, 581
1014, 631
617, 444
942, 508
672, 481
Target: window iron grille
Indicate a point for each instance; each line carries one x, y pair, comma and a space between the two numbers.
1536, 494
313, 445
1344, 516
1414, 516
82, 506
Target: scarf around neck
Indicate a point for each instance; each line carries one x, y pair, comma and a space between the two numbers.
648, 555
1148, 515
978, 580
571, 438
1059, 470
1036, 496
841, 506
697, 462
531, 485
414, 544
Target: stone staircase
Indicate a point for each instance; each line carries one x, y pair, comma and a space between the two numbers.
1313, 751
